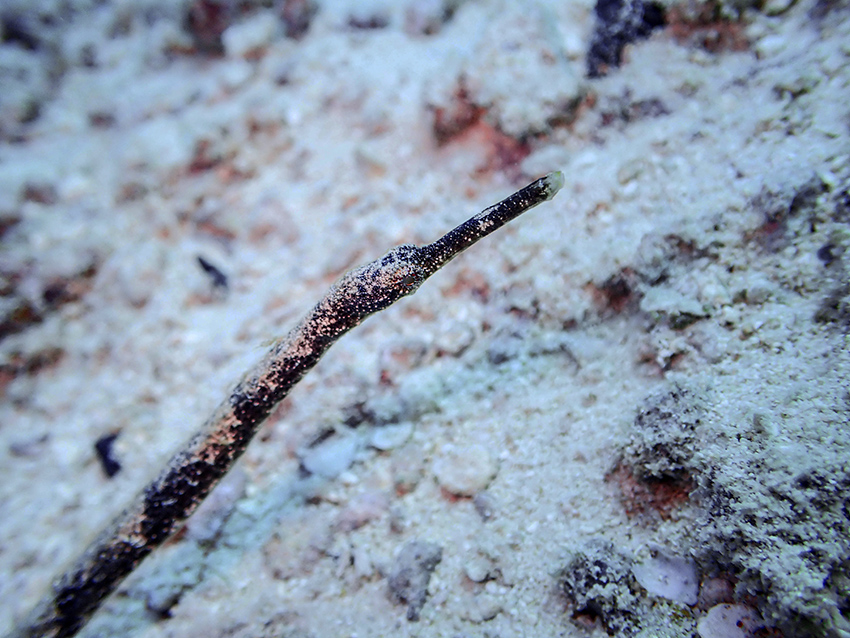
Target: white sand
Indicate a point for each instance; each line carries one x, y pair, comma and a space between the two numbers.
323, 156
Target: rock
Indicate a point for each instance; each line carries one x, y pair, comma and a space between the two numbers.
481, 609
729, 621
206, 523
619, 23
477, 568
777, 7
669, 577
332, 457
361, 509
244, 39
465, 471
389, 437
408, 581
599, 587
714, 591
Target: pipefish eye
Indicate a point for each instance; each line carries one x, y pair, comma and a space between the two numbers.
408, 280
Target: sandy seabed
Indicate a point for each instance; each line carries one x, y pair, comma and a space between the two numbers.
625, 413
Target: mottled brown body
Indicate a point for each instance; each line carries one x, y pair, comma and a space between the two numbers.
165, 504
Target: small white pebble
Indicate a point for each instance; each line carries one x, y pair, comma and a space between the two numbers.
332, 457
234, 73
477, 569
348, 478
669, 577
466, 470
482, 608
363, 565
250, 35
207, 521
777, 7
728, 621
759, 289
389, 437
770, 45
361, 509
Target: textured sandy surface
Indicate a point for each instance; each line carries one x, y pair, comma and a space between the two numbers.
654, 364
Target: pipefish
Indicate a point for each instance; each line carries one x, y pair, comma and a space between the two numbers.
160, 509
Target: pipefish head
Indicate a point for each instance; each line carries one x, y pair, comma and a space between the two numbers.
376, 285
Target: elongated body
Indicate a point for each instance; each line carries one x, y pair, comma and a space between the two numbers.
163, 505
